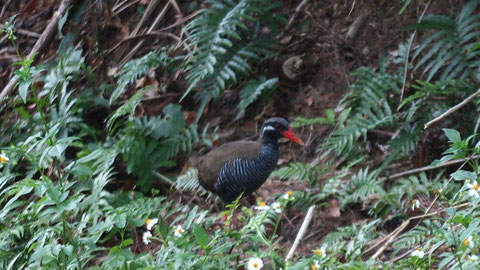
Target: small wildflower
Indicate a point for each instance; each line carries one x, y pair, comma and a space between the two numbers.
151, 222
146, 236
473, 189
288, 195
472, 258
254, 264
277, 207
262, 206
320, 252
468, 242
179, 231
315, 265
415, 204
418, 253
3, 158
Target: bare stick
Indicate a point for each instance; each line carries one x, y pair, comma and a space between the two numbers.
41, 42
427, 168
3, 9
164, 178
391, 239
153, 26
301, 232
452, 110
297, 11
356, 26
410, 42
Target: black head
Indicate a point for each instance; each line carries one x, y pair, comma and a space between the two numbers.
276, 128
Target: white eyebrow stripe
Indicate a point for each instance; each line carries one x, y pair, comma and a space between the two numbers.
268, 128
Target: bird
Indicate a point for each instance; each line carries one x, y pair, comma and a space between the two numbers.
241, 167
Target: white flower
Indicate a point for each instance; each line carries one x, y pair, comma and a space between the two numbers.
415, 204
473, 189
468, 242
262, 206
473, 258
418, 253
254, 264
321, 252
146, 236
3, 158
277, 207
315, 265
288, 195
179, 231
150, 223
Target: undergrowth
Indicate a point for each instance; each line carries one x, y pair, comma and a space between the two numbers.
62, 207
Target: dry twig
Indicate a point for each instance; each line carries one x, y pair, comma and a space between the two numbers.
410, 42
427, 168
301, 232
452, 110
153, 26
300, 7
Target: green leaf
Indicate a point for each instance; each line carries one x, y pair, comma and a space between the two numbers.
452, 135
127, 242
201, 235
463, 175
120, 220
23, 86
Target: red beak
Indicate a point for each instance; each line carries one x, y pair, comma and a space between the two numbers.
289, 134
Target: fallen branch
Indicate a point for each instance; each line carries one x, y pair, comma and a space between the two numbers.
427, 168
301, 232
164, 178
149, 30
356, 26
391, 238
452, 110
42, 41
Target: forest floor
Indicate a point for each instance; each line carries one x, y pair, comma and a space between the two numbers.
321, 35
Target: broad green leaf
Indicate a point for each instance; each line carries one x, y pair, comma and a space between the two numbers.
452, 135
201, 235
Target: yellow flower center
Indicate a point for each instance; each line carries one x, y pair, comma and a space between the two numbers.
314, 267
3, 160
262, 204
289, 193
419, 249
255, 264
148, 220
466, 242
475, 187
319, 252
414, 201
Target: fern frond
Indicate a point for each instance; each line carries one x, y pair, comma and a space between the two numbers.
297, 171
189, 181
452, 48
252, 91
367, 109
219, 53
363, 184
136, 68
329, 119
127, 109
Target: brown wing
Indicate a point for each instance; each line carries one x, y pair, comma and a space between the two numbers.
210, 165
